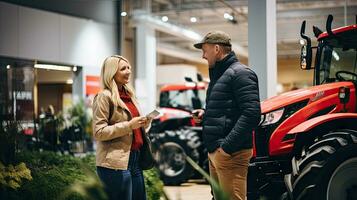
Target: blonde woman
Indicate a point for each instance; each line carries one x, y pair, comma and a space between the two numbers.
118, 129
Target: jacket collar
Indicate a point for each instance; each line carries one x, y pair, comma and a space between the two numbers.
121, 103
222, 65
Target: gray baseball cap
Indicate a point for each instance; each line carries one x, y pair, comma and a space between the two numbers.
215, 37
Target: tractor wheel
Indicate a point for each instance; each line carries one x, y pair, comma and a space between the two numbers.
327, 168
170, 149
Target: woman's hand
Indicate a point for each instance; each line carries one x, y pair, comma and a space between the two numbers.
147, 122
137, 122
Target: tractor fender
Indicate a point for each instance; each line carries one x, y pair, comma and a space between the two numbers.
317, 121
307, 131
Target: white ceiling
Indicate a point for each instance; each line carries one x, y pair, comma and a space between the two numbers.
209, 14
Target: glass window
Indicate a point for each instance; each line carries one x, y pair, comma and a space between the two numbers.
183, 99
336, 60
16, 91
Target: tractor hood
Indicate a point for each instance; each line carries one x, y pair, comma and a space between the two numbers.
312, 94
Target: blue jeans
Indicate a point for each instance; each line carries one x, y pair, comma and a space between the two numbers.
124, 184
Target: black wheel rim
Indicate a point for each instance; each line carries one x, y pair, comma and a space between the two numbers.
171, 159
343, 182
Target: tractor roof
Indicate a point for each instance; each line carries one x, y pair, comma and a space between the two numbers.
185, 86
337, 31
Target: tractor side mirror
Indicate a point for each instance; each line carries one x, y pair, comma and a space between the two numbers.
306, 49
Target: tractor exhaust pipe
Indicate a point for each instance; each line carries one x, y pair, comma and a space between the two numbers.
328, 25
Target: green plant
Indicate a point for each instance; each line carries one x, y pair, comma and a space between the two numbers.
12, 173
10, 133
153, 185
79, 117
51, 173
57, 176
78, 114
90, 189
90, 161
61, 121
12, 176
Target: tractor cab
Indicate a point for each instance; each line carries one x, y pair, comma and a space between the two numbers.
337, 60
335, 55
187, 97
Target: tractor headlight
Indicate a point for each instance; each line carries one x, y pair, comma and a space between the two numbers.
272, 117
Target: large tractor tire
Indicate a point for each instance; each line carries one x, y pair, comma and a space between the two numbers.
170, 150
326, 169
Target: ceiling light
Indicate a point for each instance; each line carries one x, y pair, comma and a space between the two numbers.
53, 67
8, 66
164, 18
227, 16
123, 14
74, 69
230, 17
193, 19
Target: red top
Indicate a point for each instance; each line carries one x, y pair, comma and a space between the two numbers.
138, 138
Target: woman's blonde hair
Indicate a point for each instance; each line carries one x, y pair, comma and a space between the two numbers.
109, 68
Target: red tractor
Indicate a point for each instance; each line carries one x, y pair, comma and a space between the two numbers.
306, 144
174, 133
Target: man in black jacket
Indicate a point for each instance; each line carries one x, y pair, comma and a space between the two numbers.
232, 113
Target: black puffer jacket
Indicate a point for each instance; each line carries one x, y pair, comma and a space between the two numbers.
232, 106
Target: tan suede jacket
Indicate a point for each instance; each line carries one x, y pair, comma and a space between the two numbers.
113, 136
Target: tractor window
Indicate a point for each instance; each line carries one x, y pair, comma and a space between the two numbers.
338, 64
183, 99
202, 97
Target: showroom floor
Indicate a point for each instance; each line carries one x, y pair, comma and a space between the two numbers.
192, 190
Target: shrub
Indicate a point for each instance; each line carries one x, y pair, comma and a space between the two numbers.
12, 173
12, 176
153, 185
66, 177
52, 174
9, 139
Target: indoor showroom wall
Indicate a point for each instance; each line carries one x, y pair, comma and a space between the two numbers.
40, 35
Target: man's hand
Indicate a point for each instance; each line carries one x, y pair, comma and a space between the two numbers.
197, 115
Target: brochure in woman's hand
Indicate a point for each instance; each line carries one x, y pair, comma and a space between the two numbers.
153, 114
